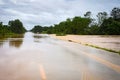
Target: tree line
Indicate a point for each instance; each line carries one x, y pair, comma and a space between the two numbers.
13, 27
104, 25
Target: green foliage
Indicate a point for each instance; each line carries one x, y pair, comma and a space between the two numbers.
77, 25
101, 17
93, 30
80, 25
87, 14
37, 29
115, 13
4, 30
110, 27
16, 26
40, 29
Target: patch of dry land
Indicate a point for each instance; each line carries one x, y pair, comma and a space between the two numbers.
108, 42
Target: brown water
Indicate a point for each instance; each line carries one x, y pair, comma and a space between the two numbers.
104, 41
41, 57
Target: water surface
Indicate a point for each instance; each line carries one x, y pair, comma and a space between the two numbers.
21, 58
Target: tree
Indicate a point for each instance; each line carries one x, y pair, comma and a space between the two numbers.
16, 26
1, 28
86, 25
87, 14
115, 13
4, 30
92, 30
80, 24
110, 27
101, 17
37, 29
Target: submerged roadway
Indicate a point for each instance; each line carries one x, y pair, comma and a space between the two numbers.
41, 57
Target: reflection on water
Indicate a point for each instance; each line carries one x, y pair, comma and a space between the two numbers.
38, 36
37, 41
18, 36
15, 43
16, 40
1, 43
2, 40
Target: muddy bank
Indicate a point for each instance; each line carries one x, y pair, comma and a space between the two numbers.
111, 42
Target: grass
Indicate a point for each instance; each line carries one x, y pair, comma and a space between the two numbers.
110, 50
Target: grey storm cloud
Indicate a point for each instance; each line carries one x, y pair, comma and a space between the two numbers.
49, 12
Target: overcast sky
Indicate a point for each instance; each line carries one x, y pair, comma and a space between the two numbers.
49, 12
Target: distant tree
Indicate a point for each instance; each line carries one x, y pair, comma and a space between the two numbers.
92, 30
1, 28
101, 17
87, 14
16, 26
37, 29
79, 25
110, 27
1, 24
115, 13
69, 26
4, 30
86, 25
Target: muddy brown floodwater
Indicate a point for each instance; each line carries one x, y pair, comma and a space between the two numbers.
42, 57
104, 41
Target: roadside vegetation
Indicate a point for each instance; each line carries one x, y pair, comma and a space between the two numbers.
106, 49
14, 28
105, 24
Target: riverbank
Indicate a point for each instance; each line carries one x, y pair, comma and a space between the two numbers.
105, 42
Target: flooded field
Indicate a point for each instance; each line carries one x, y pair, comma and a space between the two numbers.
104, 41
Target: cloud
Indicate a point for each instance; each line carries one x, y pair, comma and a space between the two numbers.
48, 12
1, 2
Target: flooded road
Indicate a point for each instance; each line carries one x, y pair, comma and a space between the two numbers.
41, 57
